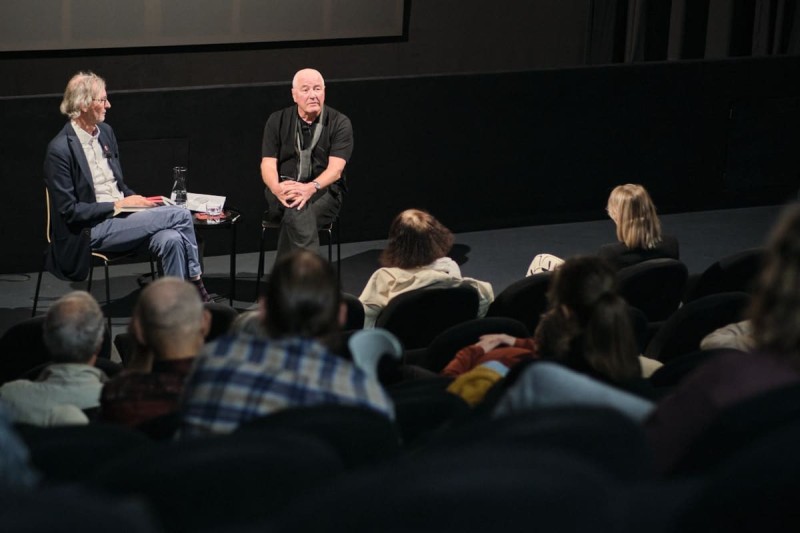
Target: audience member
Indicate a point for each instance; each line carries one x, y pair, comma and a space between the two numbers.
734, 377
84, 179
415, 258
73, 334
638, 233
241, 377
250, 322
638, 229
587, 328
169, 324
304, 152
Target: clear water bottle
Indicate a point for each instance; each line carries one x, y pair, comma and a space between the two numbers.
178, 194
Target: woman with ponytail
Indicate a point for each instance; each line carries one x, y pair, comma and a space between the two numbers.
587, 328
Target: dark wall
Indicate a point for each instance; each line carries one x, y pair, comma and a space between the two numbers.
479, 151
473, 115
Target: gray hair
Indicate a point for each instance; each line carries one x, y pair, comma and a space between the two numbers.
167, 308
73, 328
79, 92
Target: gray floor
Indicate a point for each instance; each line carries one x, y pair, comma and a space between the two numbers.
499, 256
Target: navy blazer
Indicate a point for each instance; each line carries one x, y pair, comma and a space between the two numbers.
74, 208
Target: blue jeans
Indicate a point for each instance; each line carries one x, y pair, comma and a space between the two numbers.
167, 230
546, 384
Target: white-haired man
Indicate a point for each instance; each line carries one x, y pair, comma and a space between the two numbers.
304, 152
84, 178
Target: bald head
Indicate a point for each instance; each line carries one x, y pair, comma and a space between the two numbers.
307, 75
170, 318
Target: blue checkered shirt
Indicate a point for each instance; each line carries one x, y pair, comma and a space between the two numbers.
238, 378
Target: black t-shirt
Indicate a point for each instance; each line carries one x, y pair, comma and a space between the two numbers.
335, 140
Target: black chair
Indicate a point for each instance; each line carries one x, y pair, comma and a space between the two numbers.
223, 482
487, 488
162, 427
676, 369
417, 316
441, 350
360, 436
739, 426
654, 286
604, 436
734, 273
222, 316
68, 508
682, 332
754, 489
524, 300
97, 257
22, 349
355, 312
423, 408
268, 224
75, 453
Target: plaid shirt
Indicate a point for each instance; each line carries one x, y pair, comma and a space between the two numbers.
238, 378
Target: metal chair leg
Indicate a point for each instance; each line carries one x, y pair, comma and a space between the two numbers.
108, 295
260, 270
36, 294
330, 243
339, 251
89, 282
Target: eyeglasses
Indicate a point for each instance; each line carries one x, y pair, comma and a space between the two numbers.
103, 100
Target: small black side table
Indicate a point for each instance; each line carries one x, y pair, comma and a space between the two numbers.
228, 222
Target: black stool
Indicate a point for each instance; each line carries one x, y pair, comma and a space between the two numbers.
267, 224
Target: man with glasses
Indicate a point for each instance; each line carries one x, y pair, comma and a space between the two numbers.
304, 151
84, 179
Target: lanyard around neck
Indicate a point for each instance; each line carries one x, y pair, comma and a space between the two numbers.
304, 155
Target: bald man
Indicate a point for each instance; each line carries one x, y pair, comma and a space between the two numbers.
169, 324
303, 156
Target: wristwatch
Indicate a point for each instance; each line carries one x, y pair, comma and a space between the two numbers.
317, 185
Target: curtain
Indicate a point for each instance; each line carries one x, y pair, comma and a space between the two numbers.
657, 30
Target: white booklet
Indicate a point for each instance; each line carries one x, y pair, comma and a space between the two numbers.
197, 202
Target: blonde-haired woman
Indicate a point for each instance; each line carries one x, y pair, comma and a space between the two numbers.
638, 229
639, 236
